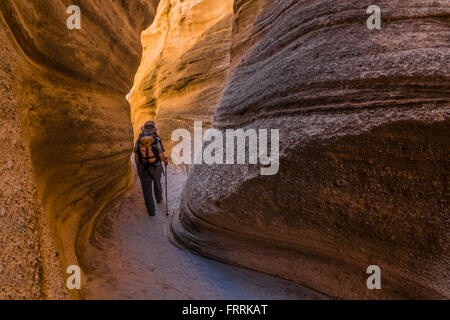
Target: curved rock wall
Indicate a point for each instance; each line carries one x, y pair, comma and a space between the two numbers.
184, 65
364, 120
66, 131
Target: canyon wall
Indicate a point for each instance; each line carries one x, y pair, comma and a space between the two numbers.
363, 118
184, 65
364, 152
66, 134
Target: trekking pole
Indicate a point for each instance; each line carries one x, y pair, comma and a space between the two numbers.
167, 201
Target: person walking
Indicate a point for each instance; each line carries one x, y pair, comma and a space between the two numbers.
149, 155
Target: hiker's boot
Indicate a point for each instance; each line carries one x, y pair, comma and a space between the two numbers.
152, 214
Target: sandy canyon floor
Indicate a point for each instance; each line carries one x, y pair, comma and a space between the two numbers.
131, 257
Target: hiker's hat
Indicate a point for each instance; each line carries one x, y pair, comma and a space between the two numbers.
149, 126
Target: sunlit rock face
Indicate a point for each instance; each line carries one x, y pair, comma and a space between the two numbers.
184, 65
364, 120
66, 131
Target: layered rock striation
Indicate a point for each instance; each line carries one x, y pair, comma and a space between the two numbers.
364, 121
184, 65
66, 132
363, 118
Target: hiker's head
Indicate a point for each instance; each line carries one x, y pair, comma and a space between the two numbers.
149, 127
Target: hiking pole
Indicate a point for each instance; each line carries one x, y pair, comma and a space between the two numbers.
167, 201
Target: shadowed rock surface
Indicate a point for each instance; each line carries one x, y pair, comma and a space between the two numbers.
62, 100
364, 125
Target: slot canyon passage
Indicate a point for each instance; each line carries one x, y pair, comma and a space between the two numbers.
364, 147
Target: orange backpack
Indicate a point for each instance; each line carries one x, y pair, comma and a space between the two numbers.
147, 154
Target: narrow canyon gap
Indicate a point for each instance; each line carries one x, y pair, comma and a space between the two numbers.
363, 119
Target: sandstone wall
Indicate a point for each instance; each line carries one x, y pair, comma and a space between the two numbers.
364, 122
62, 100
184, 65
363, 117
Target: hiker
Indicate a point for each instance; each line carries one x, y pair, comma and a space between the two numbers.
149, 154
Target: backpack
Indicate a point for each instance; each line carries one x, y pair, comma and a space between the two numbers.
147, 151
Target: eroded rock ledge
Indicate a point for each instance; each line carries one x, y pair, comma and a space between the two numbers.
66, 131
364, 122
